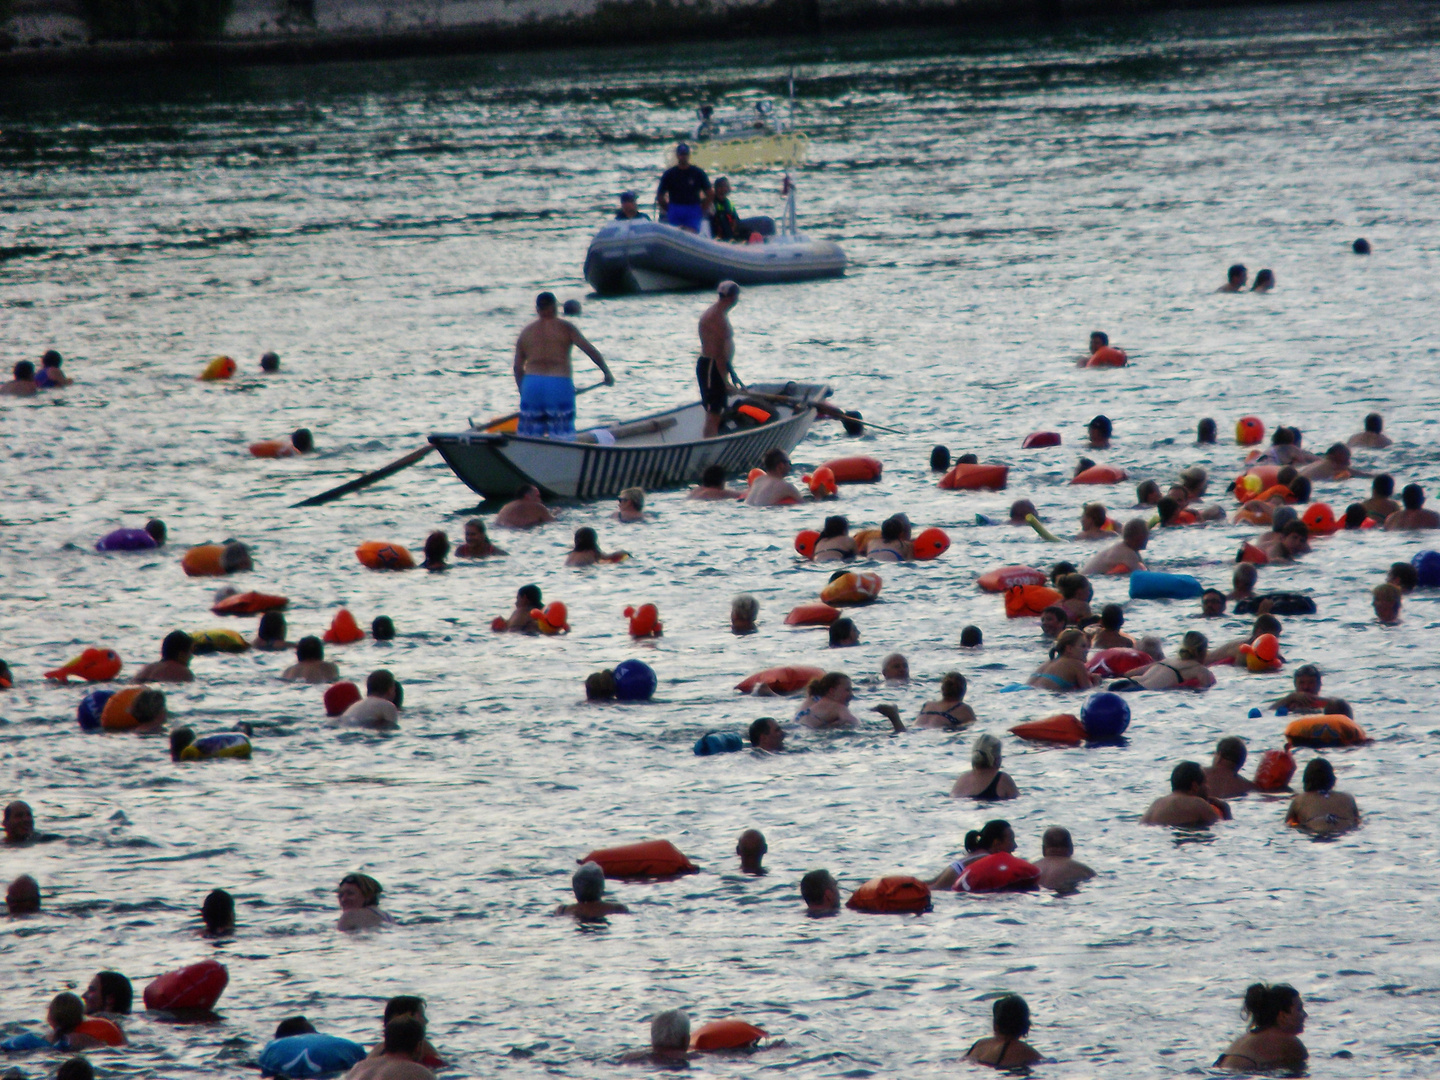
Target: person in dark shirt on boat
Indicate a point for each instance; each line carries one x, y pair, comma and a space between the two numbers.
629, 208
684, 192
725, 223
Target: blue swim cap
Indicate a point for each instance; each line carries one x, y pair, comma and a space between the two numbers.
1254, 714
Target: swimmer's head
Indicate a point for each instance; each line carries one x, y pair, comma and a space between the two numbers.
1101, 426
728, 290
1265, 279
1011, 1017
1282, 436
952, 686
1205, 431
971, 638
1403, 576
66, 1013
19, 821
1232, 750
1151, 646
844, 632
530, 492
178, 645
1193, 646
1053, 619
380, 683
1136, 533
180, 738
600, 686
835, 525
713, 476
437, 546
1167, 508
1374, 423
359, 890
272, 627
985, 752
1194, 479
1092, 516
23, 896
24, 371
745, 608
1265, 624
403, 1005
1098, 339
1112, 617
51, 359
293, 1025
545, 303
751, 847
309, 648
1057, 843
1307, 679
270, 362
1187, 777
148, 707
1236, 275
218, 911
1383, 486
1386, 601
109, 991
1264, 1004
818, 888
1020, 509
1060, 569
403, 1037
588, 883
572, 307
1212, 602
891, 530
670, 1031
939, 458
634, 496
1300, 488
1339, 455
527, 598
967, 459
776, 461
1074, 586
1069, 639
302, 440
1283, 516
1361, 246
1319, 775
1082, 464
156, 528
1147, 493
235, 557
1355, 516
767, 734
586, 540
895, 668
994, 836
383, 628
1412, 496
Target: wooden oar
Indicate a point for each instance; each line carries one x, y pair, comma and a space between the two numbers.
403, 463
829, 411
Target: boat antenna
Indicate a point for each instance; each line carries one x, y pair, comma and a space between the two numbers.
787, 188
792, 99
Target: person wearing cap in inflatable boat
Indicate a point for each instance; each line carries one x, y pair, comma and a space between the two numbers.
1134, 538
590, 905
684, 192
630, 208
1189, 804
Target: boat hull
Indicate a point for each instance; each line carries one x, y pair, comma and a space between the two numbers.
648, 256
497, 465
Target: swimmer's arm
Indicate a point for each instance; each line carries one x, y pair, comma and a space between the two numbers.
519, 360
1221, 808
891, 713
579, 341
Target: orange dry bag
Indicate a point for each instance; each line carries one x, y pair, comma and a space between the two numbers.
897, 894
812, 615
379, 555
1004, 578
1023, 600
781, 680
854, 470
725, 1035
653, 858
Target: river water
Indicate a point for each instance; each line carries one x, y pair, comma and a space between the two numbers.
385, 228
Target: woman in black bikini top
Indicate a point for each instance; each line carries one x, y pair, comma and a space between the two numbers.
1006, 1049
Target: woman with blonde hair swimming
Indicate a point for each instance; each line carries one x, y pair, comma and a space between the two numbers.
984, 781
359, 899
1065, 670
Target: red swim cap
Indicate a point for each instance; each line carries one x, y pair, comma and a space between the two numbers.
340, 697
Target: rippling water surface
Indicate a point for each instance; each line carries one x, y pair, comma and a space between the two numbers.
385, 227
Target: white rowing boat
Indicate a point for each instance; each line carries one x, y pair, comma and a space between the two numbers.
664, 449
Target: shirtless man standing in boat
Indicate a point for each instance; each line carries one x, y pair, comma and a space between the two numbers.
714, 369
543, 373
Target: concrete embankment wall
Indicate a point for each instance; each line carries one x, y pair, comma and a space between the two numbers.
52, 34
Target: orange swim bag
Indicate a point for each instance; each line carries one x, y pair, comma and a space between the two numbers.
273, 448
854, 470
812, 615
1065, 728
1029, 600
1099, 474
1107, 356
198, 986
1325, 731
204, 560
897, 894
976, 478
379, 555
998, 873
116, 714
781, 680
1275, 770
1004, 578
725, 1035
249, 603
653, 858
852, 588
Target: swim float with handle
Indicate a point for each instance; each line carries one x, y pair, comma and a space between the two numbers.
812, 615
976, 478
852, 588
1325, 730
382, 555
92, 665
249, 603
650, 859
854, 470
1001, 872
1064, 728
1029, 600
1099, 474
1005, 578
198, 986
781, 680
898, 894
725, 1035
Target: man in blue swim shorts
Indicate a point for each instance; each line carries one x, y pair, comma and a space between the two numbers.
684, 192
543, 373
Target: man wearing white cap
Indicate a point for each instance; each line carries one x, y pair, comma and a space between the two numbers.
714, 369
684, 192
